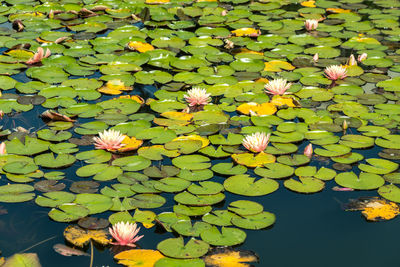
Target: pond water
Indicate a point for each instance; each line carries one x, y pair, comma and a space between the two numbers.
152, 53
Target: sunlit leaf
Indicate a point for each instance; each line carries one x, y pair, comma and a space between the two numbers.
81, 237
138, 257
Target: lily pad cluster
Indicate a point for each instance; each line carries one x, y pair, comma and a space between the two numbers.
127, 65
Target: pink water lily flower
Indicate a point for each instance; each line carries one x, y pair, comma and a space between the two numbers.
197, 97
335, 72
38, 56
109, 140
257, 142
125, 234
277, 86
311, 24
3, 148
308, 151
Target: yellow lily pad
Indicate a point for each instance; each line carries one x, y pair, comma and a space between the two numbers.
177, 115
139, 46
247, 51
246, 32
230, 258
80, 237
253, 160
280, 101
367, 40
338, 10
138, 257
137, 98
380, 209
20, 54
131, 143
205, 142
114, 87
174, 118
310, 3
277, 66
257, 109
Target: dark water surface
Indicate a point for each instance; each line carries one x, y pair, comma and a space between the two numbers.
311, 230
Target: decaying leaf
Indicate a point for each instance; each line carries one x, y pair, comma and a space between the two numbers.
139, 257
114, 87
338, 10
246, 32
52, 115
80, 237
68, 251
277, 66
137, 98
280, 101
378, 210
193, 137
257, 109
225, 257
139, 46
374, 208
310, 3
130, 143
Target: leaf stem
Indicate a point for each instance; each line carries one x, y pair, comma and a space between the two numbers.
37, 244
91, 253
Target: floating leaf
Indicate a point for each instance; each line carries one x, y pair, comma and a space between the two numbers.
138, 257
22, 259
175, 247
247, 186
224, 257
80, 237
253, 160
227, 237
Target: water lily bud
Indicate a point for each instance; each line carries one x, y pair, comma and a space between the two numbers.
345, 125
352, 60
315, 57
311, 24
308, 151
362, 57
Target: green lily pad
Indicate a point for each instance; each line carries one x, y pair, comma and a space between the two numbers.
175, 247
245, 207
30, 147
187, 198
390, 192
306, 185
186, 228
169, 262
54, 199
274, 170
191, 211
192, 162
14, 193
49, 161
254, 222
68, 212
247, 186
95, 203
365, 181
219, 217
378, 166
227, 237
